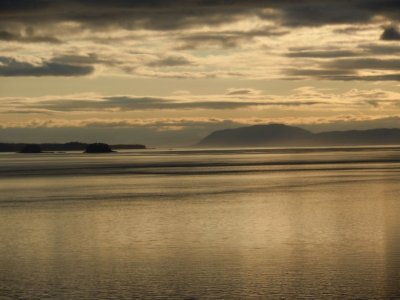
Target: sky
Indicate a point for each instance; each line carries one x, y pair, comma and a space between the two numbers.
168, 73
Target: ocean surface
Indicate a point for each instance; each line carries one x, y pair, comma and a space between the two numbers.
201, 224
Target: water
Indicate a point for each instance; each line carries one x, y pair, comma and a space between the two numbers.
201, 224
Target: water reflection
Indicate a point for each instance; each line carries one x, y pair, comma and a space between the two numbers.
392, 243
309, 233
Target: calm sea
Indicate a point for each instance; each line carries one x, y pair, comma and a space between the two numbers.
201, 224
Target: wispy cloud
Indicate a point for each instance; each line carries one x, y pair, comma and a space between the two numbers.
27, 38
134, 103
12, 67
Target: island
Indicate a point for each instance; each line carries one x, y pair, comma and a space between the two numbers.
31, 148
71, 146
98, 148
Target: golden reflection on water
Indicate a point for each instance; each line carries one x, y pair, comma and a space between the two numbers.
317, 234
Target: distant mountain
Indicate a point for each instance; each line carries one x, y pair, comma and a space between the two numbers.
278, 135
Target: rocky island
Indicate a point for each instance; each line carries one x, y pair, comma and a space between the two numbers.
98, 148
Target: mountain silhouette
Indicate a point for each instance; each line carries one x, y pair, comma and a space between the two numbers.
279, 135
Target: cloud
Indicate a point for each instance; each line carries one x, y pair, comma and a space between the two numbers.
151, 73
325, 12
322, 54
386, 77
159, 121
221, 40
348, 69
155, 15
172, 15
85, 59
17, 37
306, 98
226, 39
390, 34
121, 123
339, 75
242, 91
171, 61
379, 49
131, 103
12, 67
364, 63
352, 29
318, 73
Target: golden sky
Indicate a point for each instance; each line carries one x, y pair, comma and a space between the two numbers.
170, 72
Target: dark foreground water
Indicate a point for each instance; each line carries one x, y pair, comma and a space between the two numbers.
226, 224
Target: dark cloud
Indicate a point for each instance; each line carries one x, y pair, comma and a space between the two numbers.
363, 63
324, 12
379, 49
125, 103
17, 37
26, 111
239, 92
156, 15
13, 67
345, 65
88, 59
363, 51
318, 73
383, 77
226, 39
11, 6
317, 13
175, 14
349, 29
390, 34
7, 36
221, 40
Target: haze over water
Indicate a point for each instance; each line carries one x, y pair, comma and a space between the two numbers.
201, 224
